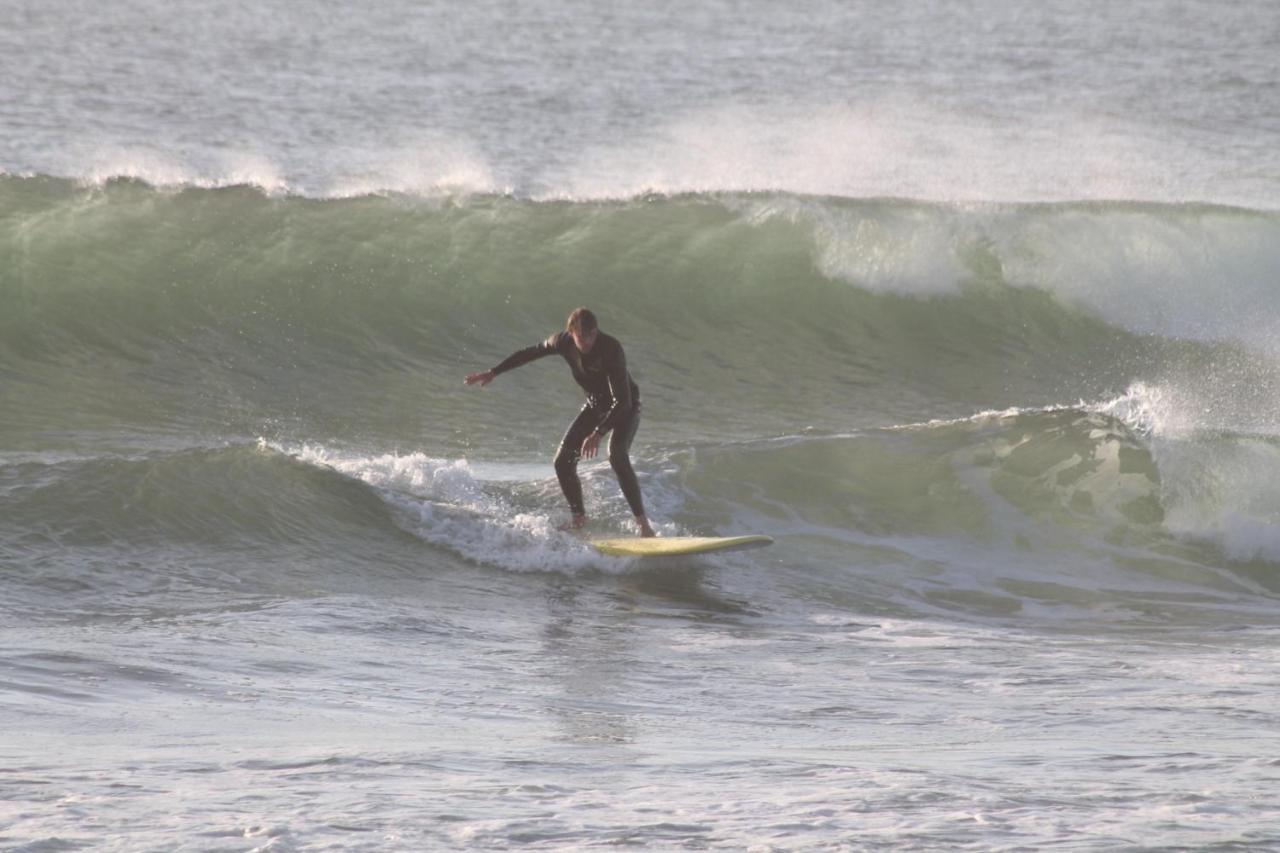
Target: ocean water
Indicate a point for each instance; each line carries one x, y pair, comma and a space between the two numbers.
971, 306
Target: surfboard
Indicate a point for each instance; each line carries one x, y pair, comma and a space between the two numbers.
674, 546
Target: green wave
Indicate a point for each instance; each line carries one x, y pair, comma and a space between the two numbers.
227, 310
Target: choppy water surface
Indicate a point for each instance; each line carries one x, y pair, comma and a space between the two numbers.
971, 309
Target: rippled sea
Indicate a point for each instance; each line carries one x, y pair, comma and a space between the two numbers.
970, 306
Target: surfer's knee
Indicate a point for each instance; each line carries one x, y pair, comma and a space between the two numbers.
566, 459
620, 461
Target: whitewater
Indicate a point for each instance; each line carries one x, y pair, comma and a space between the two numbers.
970, 306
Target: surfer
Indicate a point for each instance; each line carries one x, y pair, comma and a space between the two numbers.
613, 404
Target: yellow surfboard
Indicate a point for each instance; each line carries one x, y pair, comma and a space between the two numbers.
673, 546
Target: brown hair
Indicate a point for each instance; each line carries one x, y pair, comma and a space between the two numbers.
581, 320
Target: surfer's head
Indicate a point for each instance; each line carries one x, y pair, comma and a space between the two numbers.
582, 326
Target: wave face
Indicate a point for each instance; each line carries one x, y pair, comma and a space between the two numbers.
970, 305
909, 383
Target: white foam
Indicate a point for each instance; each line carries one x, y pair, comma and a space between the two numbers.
1147, 410
446, 504
1197, 274
1205, 274
431, 166
1226, 492
154, 167
895, 145
166, 170
1215, 485
1251, 536
1216, 400
907, 249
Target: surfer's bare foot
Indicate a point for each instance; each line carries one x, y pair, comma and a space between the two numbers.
646, 532
577, 522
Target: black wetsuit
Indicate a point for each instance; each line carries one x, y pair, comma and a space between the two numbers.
613, 404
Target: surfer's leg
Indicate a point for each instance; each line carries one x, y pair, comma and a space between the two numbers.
620, 459
566, 461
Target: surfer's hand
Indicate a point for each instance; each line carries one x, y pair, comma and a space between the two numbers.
481, 379
589, 445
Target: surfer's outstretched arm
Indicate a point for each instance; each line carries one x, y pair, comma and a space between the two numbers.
516, 359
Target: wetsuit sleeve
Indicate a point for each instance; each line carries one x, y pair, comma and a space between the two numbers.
619, 389
548, 347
